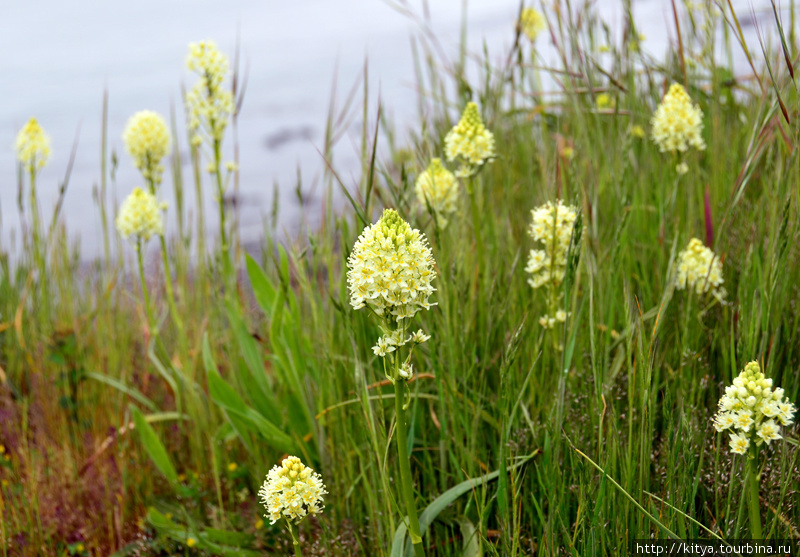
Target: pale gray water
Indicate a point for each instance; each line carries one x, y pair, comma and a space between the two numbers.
57, 58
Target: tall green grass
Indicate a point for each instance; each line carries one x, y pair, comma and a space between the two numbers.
122, 437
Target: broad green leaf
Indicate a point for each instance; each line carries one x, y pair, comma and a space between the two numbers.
265, 293
153, 446
259, 389
241, 427
439, 504
471, 537
233, 405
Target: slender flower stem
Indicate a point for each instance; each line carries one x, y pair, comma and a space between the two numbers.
145, 295
405, 466
295, 541
752, 491
227, 270
168, 283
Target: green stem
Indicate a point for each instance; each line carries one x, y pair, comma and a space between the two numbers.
752, 491
168, 282
223, 238
405, 467
295, 541
145, 295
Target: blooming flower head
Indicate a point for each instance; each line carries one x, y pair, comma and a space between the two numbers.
700, 269
469, 142
391, 268
33, 146
292, 490
532, 23
208, 103
552, 226
438, 188
140, 216
677, 123
147, 141
752, 410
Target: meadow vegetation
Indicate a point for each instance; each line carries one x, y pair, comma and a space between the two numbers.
562, 396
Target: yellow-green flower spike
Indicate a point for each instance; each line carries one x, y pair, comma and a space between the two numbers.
292, 490
438, 187
752, 410
700, 269
140, 216
469, 142
33, 146
677, 123
208, 103
552, 225
532, 23
147, 141
391, 269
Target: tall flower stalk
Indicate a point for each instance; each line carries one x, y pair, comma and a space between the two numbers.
390, 272
147, 141
139, 219
33, 151
552, 225
753, 413
210, 106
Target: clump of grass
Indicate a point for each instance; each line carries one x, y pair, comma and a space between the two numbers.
514, 439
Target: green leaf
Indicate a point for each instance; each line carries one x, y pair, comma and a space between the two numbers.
120, 386
234, 407
242, 428
258, 389
472, 539
153, 446
265, 293
440, 503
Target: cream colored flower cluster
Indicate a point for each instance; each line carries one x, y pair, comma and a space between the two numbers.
552, 226
147, 141
437, 187
292, 490
752, 410
210, 105
33, 146
700, 269
391, 268
469, 142
677, 123
140, 216
532, 23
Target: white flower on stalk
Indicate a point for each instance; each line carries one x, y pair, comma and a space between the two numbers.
292, 490
750, 408
391, 268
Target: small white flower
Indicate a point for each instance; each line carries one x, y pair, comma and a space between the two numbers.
419, 337
723, 421
768, 431
383, 347
739, 443
406, 370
